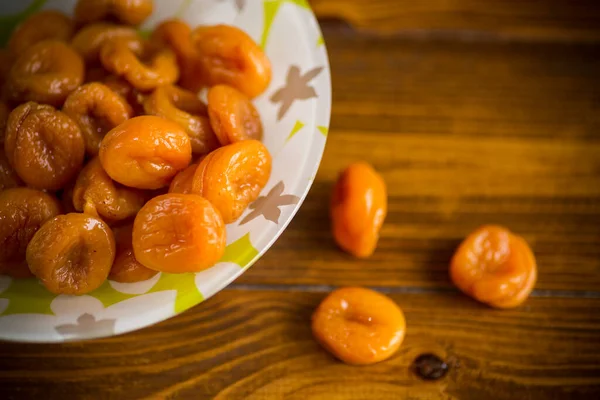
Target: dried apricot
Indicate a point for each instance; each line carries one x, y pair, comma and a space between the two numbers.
232, 115
178, 233
145, 68
43, 145
72, 253
358, 208
126, 268
182, 183
4, 112
185, 108
22, 212
8, 176
232, 177
494, 266
97, 109
89, 40
145, 152
131, 12
96, 194
177, 35
134, 97
358, 325
46, 73
47, 24
231, 57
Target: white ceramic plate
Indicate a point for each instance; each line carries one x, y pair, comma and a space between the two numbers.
295, 112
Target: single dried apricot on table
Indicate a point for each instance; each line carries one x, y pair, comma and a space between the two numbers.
358, 325
233, 117
232, 177
358, 208
494, 266
97, 109
46, 73
126, 268
47, 24
8, 176
186, 109
131, 12
22, 212
72, 253
43, 145
90, 39
145, 152
96, 194
178, 233
145, 67
183, 181
231, 57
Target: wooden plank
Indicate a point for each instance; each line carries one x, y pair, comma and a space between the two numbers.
257, 345
551, 20
464, 134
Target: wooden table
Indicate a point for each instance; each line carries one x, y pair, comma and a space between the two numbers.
474, 112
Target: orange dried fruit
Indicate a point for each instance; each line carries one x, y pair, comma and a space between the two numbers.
145, 152
182, 182
44, 146
89, 40
130, 12
8, 176
359, 326
178, 233
97, 109
47, 24
358, 209
126, 269
72, 253
133, 96
494, 266
233, 117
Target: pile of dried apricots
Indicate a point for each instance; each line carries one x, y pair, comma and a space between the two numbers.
112, 165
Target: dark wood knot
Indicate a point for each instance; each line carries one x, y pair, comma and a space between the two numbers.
430, 367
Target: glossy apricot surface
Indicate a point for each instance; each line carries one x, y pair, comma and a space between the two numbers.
96, 109
131, 12
72, 253
96, 194
183, 181
89, 40
358, 325
145, 152
232, 177
125, 268
47, 24
145, 67
178, 233
22, 212
46, 72
233, 117
44, 146
186, 109
358, 209
494, 266
8, 176
231, 57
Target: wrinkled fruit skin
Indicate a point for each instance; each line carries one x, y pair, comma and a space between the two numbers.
90, 39
44, 146
359, 326
130, 12
126, 269
232, 177
46, 72
96, 194
494, 266
178, 233
233, 117
183, 181
72, 253
186, 109
22, 212
48, 24
358, 209
123, 59
145, 152
229, 56
96, 109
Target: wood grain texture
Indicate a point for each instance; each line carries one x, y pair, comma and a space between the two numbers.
258, 345
550, 20
464, 134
